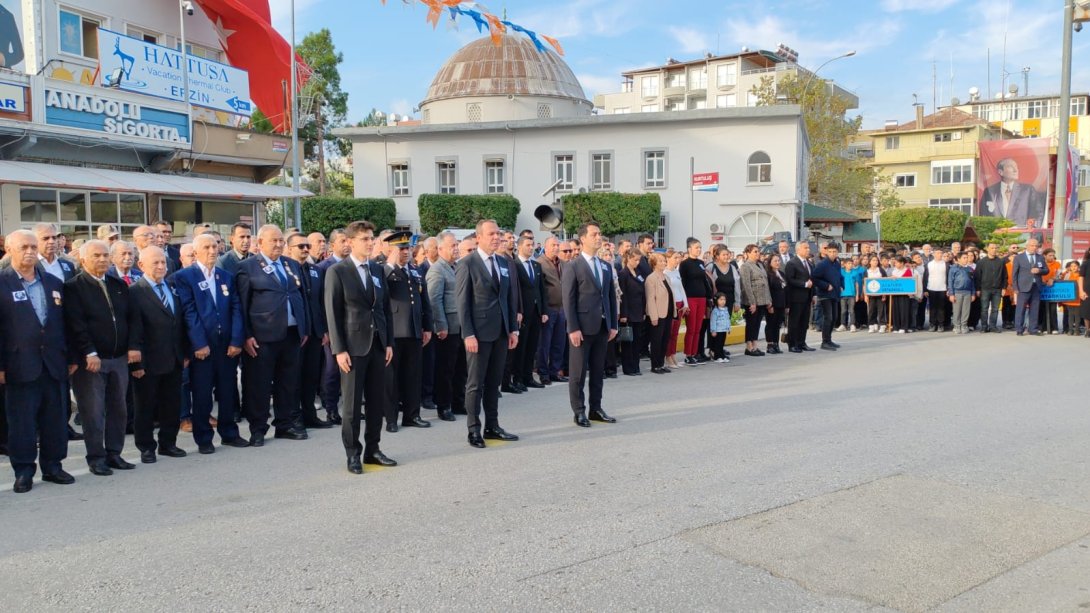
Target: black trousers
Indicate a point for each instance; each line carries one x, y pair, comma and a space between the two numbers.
275, 362
484, 371
612, 351
921, 312
753, 321
330, 386
772, 326
403, 380
937, 302
798, 321
427, 371
158, 398
37, 421
658, 336
450, 372
828, 318
310, 379
1007, 311
588, 361
364, 382
522, 369
630, 352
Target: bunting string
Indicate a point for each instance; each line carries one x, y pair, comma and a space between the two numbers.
482, 19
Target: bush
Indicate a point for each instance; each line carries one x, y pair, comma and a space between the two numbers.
441, 211
916, 226
986, 226
326, 213
614, 212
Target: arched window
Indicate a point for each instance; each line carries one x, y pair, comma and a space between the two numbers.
752, 227
760, 168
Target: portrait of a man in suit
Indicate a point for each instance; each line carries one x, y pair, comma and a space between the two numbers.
11, 40
1011, 198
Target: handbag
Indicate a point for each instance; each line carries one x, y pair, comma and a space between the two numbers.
624, 334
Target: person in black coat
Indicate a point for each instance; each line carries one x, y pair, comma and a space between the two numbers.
310, 356
157, 378
410, 313
800, 294
829, 284
633, 311
532, 290
33, 365
777, 287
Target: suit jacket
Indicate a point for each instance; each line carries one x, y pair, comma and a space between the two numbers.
554, 294
410, 310
174, 258
313, 279
94, 325
657, 303
27, 346
230, 262
164, 344
213, 323
532, 292
1026, 203
442, 299
68, 268
633, 301
487, 310
357, 315
777, 289
796, 276
134, 274
587, 306
1021, 277
265, 299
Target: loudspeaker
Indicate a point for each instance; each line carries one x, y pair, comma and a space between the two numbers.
550, 217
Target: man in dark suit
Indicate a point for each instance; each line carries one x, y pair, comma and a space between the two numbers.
50, 261
532, 290
554, 334
275, 324
590, 307
488, 308
239, 251
213, 317
165, 232
828, 285
450, 355
33, 365
310, 357
360, 337
104, 334
1018, 202
330, 387
410, 314
800, 295
1027, 278
163, 350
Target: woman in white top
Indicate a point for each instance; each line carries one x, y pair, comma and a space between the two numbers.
680, 302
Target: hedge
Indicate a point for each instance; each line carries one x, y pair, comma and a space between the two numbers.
441, 211
916, 226
985, 227
326, 213
615, 213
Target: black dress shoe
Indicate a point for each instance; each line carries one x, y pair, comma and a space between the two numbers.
559, 379
510, 389
533, 384
236, 442
428, 404
334, 416
828, 347
459, 411
772, 350
475, 440
837, 345
379, 458
23, 485
794, 350
257, 440
416, 422
446, 415
391, 427
354, 465
317, 423
292, 434
60, 478
499, 434
522, 389
601, 415
73, 435
805, 347
172, 452
611, 375
118, 462
147, 457
633, 374
100, 469
660, 371
581, 420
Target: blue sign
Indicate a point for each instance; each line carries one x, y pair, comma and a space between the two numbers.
889, 286
114, 116
1060, 291
134, 65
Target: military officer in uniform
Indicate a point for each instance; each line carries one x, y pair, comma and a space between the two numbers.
411, 315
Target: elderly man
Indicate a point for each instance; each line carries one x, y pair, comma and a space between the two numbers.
157, 378
450, 362
186, 255
123, 259
317, 243
554, 337
310, 358
32, 365
330, 390
275, 324
62, 268
1027, 278
467, 245
104, 333
240, 248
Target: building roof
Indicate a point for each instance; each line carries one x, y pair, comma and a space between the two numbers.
513, 68
813, 212
947, 117
861, 232
766, 58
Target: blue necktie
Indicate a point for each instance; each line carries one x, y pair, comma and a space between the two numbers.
280, 273
168, 303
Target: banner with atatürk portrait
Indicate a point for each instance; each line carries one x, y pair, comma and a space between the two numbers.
1012, 181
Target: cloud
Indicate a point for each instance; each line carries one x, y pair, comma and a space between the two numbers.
769, 31
924, 6
401, 106
580, 18
600, 84
689, 40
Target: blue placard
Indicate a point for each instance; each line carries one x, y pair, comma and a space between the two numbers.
1060, 291
889, 286
101, 113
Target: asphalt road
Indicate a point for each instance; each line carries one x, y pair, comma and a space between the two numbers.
900, 473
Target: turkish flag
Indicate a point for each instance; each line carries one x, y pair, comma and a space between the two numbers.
246, 34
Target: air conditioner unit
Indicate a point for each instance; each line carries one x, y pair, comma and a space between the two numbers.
715, 228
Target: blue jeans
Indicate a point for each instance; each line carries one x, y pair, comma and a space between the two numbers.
554, 339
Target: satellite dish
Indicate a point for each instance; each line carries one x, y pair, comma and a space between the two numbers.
973, 91
1013, 89
955, 101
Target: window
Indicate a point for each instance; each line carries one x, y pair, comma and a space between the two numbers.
624, 110
660, 232
951, 172
564, 171
80, 212
698, 103
1084, 176
945, 137
601, 171
399, 179
752, 227
1035, 109
1078, 106
654, 169
202, 51
893, 142
760, 168
698, 78
145, 35
965, 205
493, 177
726, 75
473, 112
1071, 138
905, 180
649, 86
675, 79
724, 101
448, 177
751, 99
78, 34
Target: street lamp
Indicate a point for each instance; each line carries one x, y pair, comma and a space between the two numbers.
294, 128
1060, 196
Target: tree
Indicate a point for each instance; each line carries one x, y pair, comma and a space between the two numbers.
323, 106
260, 123
836, 179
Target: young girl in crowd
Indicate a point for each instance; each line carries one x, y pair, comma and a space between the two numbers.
902, 311
719, 327
876, 305
1071, 309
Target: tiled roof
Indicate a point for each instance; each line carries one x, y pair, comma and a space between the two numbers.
948, 117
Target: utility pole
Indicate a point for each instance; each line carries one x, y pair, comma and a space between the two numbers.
295, 128
321, 143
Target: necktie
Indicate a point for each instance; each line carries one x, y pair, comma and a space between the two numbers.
163, 296
530, 271
127, 279
597, 271
495, 270
280, 273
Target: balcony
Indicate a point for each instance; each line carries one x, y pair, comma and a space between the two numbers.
227, 151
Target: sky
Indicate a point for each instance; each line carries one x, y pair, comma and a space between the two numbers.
391, 53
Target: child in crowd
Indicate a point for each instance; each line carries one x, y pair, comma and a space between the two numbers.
853, 285
961, 292
719, 326
902, 309
876, 305
1071, 309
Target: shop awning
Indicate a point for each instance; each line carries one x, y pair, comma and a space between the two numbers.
58, 176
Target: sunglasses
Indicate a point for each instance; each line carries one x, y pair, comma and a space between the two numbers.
302, 246
565, 251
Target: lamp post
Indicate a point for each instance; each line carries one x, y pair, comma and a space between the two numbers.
185, 6
1059, 217
295, 128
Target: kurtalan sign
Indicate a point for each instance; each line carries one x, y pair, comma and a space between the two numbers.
114, 116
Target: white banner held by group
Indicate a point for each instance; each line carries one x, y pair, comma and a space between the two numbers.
142, 67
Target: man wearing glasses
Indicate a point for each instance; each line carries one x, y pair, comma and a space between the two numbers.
310, 356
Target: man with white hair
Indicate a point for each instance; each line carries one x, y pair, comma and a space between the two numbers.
48, 255
123, 258
186, 255
317, 247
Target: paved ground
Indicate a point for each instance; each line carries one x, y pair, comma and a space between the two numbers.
901, 473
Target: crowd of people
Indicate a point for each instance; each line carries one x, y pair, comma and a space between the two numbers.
153, 339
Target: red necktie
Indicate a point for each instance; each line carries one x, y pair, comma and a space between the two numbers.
128, 280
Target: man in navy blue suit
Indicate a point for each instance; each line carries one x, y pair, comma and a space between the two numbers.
330, 389
32, 364
1027, 277
213, 317
275, 321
